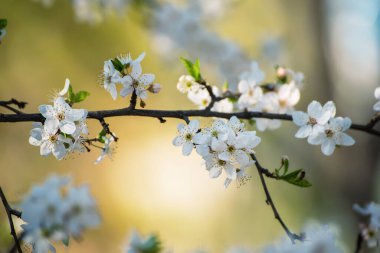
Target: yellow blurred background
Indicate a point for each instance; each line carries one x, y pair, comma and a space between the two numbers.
150, 185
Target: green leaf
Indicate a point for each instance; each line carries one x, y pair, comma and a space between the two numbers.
193, 69
296, 178
3, 23
151, 245
117, 64
71, 94
66, 241
81, 95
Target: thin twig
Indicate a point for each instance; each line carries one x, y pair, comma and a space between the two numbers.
262, 171
107, 128
11, 212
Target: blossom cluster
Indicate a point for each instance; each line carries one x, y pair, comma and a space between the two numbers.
127, 72
320, 127
253, 94
56, 211
370, 232
225, 146
63, 129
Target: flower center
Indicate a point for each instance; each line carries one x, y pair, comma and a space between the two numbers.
221, 162
188, 137
329, 133
61, 116
205, 102
53, 138
312, 121
282, 102
189, 84
231, 149
135, 83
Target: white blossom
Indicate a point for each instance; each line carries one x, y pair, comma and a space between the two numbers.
111, 76
107, 149
51, 216
313, 122
376, 106
61, 116
333, 135
187, 83
187, 135
200, 97
372, 210
251, 94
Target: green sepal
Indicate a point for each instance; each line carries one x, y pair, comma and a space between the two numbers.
101, 136
71, 94
194, 69
3, 23
117, 64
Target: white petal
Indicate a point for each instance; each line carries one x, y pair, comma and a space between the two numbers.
178, 141
242, 157
35, 137
187, 148
225, 156
304, 131
76, 114
300, 118
112, 90
376, 106
203, 150
218, 145
316, 139
201, 138
59, 151
193, 126
146, 79
51, 125
136, 70
344, 139
141, 93
60, 105
377, 93
67, 127
66, 88
231, 172
45, 149
328, 147
46, 110
314, 109
126, 91
328, 111
126, 81
243, 86
215, 172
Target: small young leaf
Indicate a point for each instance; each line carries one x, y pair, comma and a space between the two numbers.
3, 23
193, 69
151, 245
296, 178
81, 95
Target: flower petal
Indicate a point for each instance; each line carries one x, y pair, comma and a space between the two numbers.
146, 79
178, 141
67, 127
51, 125
328, 147
46, 110
314, 109
59, 150
300, 118
187, 148
215, 172
304, 131
193, 126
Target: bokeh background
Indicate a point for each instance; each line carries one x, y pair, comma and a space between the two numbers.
149, 185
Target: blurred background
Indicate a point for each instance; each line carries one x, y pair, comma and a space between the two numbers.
150, 185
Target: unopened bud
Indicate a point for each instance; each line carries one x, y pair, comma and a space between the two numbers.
155, 88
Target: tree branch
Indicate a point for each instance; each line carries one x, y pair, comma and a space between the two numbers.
359, 243
19, 104
262, 171
11, 212
179, 114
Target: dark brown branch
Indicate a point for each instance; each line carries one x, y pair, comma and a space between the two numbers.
107, 128
8, 105
179, 114
262, 171
359, 243
11, 212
